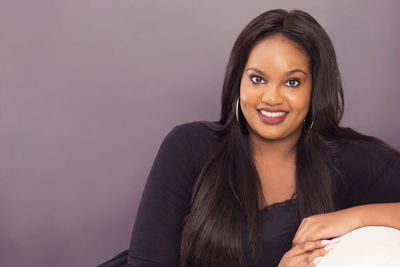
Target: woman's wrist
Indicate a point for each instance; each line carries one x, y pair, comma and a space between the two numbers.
380, 214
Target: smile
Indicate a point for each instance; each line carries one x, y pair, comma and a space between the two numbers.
271, 117
272, 114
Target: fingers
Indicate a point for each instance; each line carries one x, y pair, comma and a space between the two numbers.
311, 252
305, 247
308, 253
310, 233
320, 226
311, 245
314, 257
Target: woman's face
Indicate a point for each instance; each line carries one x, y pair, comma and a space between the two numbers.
275, 89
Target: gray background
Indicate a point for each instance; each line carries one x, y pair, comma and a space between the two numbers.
90, 88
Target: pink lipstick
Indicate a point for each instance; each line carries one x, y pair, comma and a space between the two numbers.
273, 116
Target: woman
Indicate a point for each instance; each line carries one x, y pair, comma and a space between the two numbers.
275, 181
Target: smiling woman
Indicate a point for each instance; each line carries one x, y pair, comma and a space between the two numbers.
275, 90
275, 95
276, 181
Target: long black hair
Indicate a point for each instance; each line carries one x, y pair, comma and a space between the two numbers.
226, 194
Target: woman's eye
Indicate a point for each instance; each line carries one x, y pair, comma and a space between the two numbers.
292, 83
256, 79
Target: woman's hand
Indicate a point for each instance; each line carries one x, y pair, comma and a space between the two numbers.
328, 225
308, 253
311, 243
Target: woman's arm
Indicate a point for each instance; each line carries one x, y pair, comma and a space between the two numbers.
311, 241
337, 223
165, 201
380, 214
371, 175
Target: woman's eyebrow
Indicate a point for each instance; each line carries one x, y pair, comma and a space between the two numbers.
285, 74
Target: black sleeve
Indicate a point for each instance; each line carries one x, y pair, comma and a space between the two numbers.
371, 174
155, 238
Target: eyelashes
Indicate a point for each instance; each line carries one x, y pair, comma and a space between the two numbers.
292, 83
254, 79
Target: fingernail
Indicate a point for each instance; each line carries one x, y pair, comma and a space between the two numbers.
316, 260
331, 246
336, 240
332, 241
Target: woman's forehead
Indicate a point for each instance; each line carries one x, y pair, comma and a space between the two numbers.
278, 51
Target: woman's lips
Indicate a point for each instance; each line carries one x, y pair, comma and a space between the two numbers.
272, 117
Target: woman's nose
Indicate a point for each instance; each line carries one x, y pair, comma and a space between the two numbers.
272, 95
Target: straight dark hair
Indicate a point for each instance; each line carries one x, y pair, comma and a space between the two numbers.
226, 194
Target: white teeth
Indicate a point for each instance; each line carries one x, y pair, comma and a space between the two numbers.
272, 114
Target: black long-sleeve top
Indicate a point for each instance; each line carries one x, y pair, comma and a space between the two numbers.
370, 174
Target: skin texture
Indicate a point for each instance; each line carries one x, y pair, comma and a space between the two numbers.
275, 56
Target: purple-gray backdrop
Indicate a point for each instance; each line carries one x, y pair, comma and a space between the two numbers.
90, 88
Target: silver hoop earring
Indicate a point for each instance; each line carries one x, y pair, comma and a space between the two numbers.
309, 129
237, 111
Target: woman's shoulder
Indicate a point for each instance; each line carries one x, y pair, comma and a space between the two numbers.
359, 150
362, 160
195, 131
193, 139
195, 128
368, 172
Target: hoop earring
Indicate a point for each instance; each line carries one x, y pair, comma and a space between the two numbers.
237, 111
309, 129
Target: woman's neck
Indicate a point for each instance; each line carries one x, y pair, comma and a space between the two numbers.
272, 150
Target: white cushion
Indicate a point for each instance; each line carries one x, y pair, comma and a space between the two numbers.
371, 246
